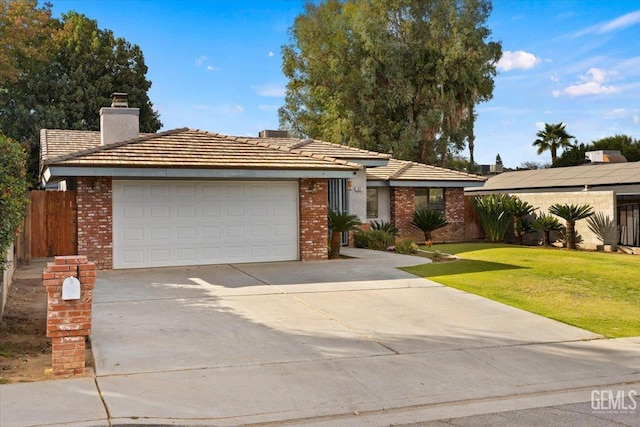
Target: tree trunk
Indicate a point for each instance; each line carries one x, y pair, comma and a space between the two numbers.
546, 237
336, 243
519, 237
571, 235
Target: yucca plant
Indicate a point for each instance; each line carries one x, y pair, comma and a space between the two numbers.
340, 222
428, 220
571, 214
602, 226
494, 217
384, 226
546, 223
519, 210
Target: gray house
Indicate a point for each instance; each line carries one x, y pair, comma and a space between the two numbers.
610, 188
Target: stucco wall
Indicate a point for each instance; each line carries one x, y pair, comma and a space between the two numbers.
357, 195
384, 205
600, 201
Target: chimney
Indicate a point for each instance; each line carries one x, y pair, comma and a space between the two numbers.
119, 122
268, 133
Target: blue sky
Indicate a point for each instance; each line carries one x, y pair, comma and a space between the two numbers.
215, 65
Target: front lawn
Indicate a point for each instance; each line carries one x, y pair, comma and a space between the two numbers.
595, 291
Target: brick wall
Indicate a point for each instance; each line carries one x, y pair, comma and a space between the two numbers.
314, 230
95, 220
69, 321
403, 205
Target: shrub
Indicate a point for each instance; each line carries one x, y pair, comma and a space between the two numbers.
384, 226
378, 240
428, 220
340, 222
406, 246
13, 187
602, 226
493, 214
546, 223
571, 214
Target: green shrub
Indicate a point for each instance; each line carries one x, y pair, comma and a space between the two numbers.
378, 240
406, 246
493, 214
384, 226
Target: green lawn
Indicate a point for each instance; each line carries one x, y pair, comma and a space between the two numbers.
595, 291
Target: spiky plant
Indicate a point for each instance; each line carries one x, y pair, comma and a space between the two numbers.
428, 220
546, 223
519, 210
493, 214
340, 222
384, 226
571, 214
602, 226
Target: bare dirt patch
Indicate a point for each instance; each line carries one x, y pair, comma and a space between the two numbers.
25, 350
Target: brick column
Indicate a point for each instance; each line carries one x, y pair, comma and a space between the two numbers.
95, 220
314, 226
69, 321
403, 204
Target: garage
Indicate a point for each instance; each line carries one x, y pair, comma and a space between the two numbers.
175, 223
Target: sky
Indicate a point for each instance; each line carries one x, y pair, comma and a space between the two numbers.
216, 65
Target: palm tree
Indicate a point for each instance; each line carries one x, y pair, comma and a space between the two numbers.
546, 224
552, 138
340, 222
428, 220
519, 209
571, 214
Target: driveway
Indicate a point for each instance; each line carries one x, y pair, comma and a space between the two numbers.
353, 342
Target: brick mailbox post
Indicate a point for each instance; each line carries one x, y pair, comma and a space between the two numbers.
69, 281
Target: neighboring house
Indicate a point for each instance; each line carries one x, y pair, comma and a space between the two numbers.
610, 188
188, 197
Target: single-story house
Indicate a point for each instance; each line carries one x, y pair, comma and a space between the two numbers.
610, 188
188, 197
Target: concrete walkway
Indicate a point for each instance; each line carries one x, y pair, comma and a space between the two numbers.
350, 342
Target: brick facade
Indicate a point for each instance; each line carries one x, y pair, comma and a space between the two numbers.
69, 321
314, 228
95, 220
403, 204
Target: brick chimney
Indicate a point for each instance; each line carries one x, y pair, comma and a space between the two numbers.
119, 122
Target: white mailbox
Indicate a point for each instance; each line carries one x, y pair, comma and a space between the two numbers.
70, 288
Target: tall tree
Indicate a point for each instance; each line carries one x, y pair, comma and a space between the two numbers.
551, 138
574, 156
79, 67
399, 76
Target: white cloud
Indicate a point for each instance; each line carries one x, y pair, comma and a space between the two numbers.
616, 113
200, 60
271, 54
519, 60
636, 119
555, 93
270, 89
235, 110
554, 78
594, 83
265, 107
540, 125
619, 23
212, 68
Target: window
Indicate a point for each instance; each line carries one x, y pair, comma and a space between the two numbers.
372, 203
430, 198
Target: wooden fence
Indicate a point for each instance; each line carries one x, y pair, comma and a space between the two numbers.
50, 227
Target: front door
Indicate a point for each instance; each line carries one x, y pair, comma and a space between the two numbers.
338, 201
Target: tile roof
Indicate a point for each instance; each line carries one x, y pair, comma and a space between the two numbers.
401, 170
326, 148
182, 148
575, 176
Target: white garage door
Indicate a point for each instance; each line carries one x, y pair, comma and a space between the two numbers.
165, 223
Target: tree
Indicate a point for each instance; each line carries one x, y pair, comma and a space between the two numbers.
427, 221
519, 210
552, 138
340, 222
571, 214
13, 189
546, 223
393, 76
628, 147
65, 87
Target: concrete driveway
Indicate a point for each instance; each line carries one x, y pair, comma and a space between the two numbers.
348, 342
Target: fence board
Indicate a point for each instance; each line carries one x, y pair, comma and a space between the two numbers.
53, 223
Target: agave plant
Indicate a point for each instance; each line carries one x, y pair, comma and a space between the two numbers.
602, 226
384, 226
571, 214
546, 223
428, 220
519, 210
494, 217
340, 222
